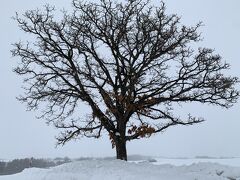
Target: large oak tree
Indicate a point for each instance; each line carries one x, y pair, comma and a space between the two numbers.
130, 62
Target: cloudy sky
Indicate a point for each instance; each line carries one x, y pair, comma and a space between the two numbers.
22, 135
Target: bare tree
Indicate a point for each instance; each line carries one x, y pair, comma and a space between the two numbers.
129, 62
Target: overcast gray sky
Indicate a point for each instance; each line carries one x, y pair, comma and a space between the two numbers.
22, 135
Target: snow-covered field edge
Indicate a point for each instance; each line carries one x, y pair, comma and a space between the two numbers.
137, 169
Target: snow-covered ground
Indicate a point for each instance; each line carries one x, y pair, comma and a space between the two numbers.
145, 168
188, 161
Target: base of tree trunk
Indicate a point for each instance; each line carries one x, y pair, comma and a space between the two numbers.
121, 150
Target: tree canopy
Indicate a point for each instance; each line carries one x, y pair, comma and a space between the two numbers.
130, 62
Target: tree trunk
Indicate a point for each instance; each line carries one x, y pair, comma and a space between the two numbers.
121, 150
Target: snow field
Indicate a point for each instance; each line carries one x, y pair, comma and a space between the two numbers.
120, 170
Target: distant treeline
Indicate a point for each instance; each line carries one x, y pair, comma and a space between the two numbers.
18, 165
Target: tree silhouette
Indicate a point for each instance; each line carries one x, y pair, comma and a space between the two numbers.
129, 62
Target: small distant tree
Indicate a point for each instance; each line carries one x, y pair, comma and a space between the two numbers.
128, 61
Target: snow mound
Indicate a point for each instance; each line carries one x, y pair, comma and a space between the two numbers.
121, 170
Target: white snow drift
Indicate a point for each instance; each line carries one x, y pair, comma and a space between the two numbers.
100, 169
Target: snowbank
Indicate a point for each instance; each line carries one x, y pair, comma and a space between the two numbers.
188, 161
120, 170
